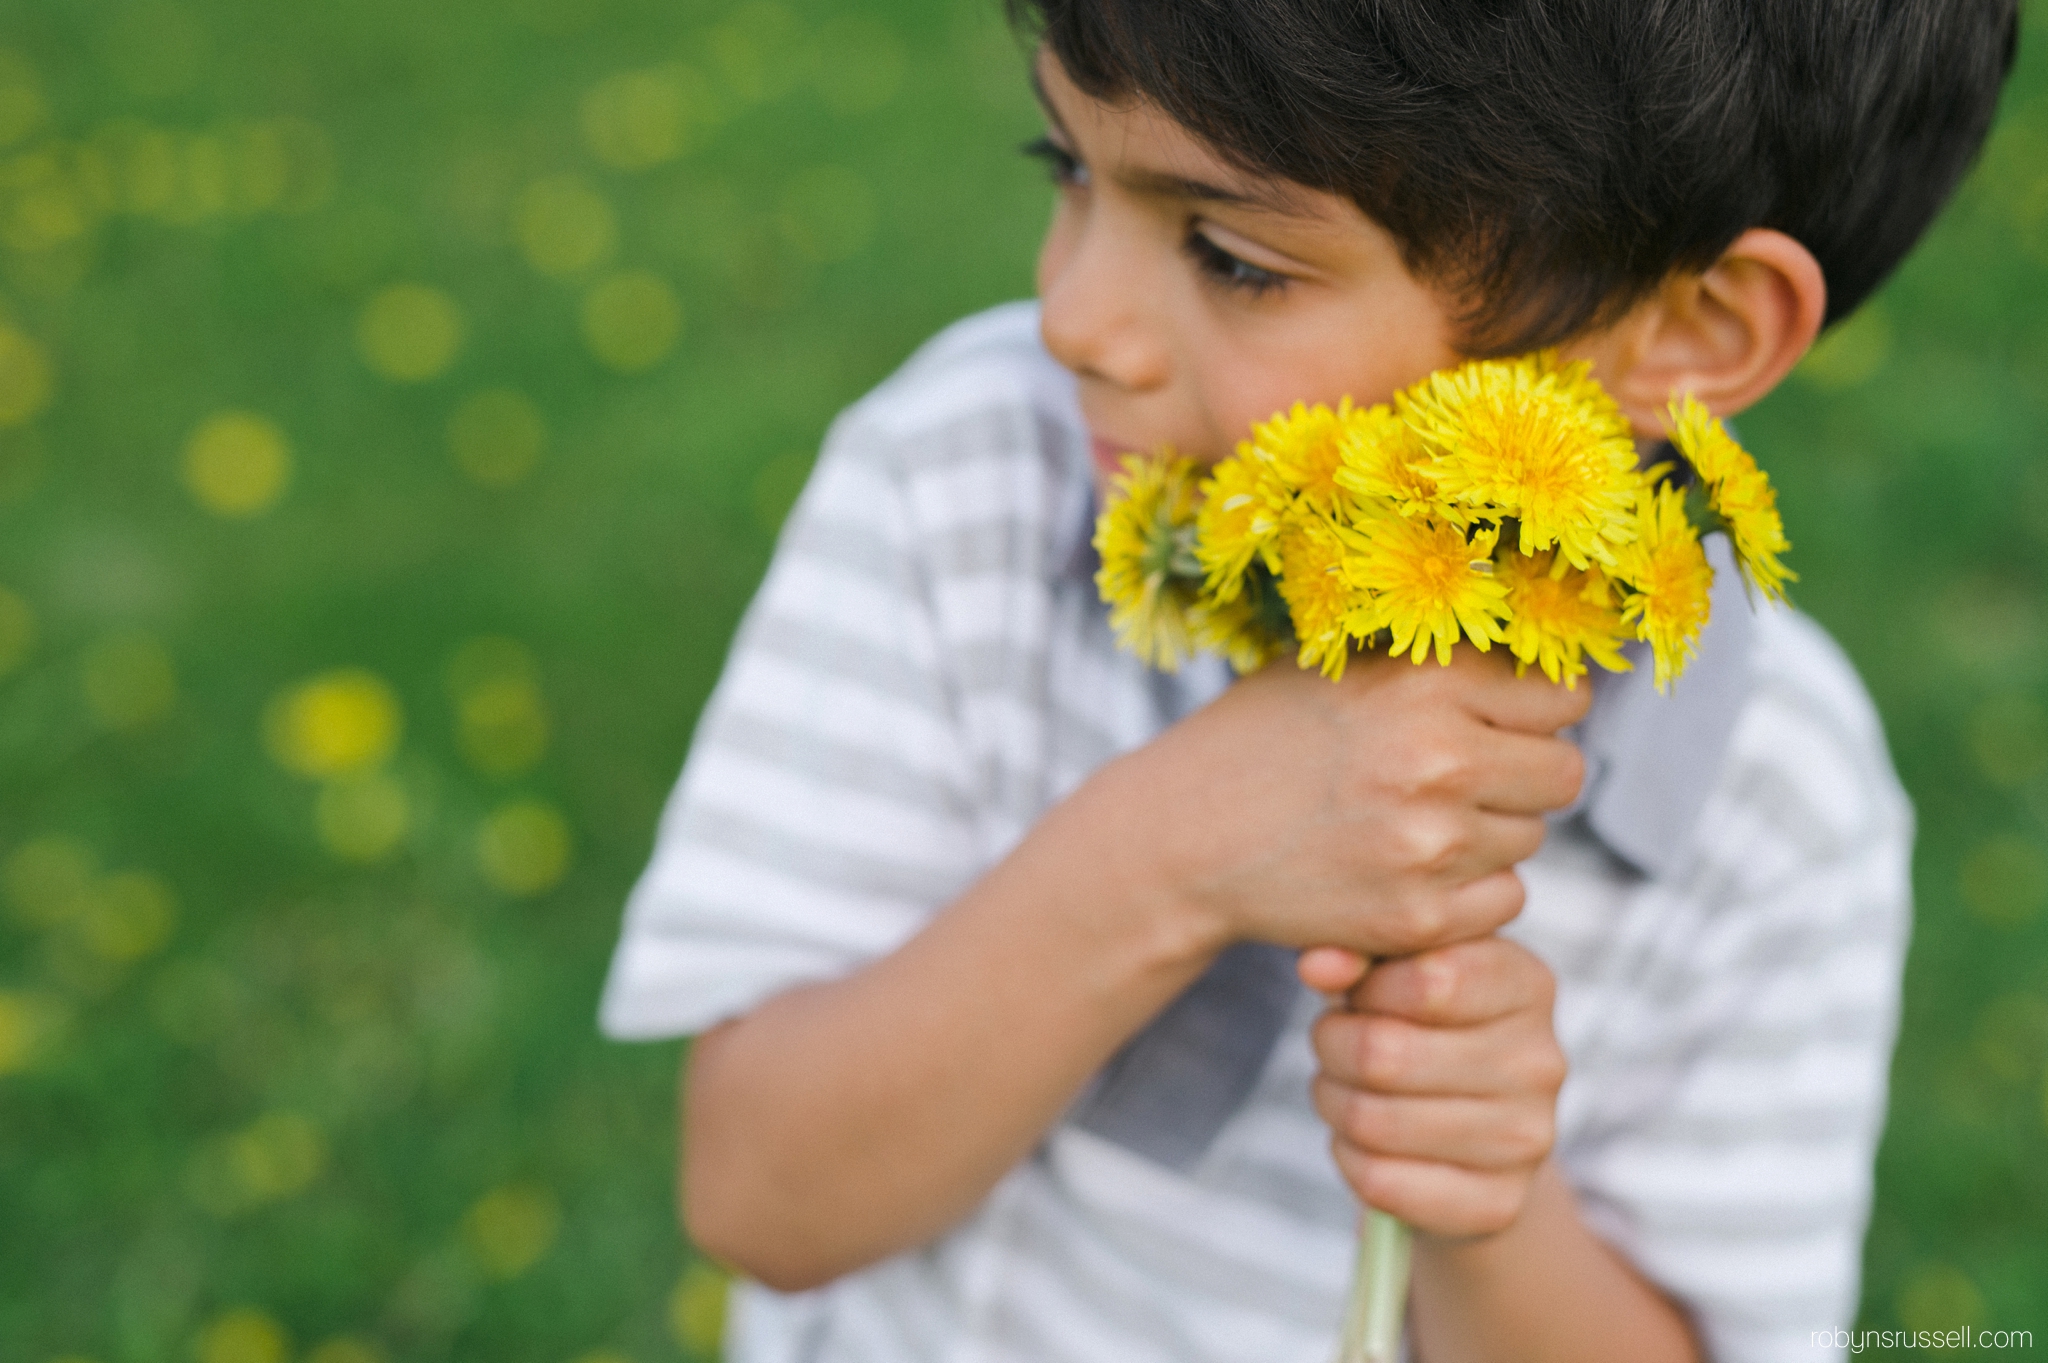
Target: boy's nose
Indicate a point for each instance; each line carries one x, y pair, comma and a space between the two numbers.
1095, 319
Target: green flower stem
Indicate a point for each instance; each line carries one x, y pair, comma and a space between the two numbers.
1379, 1291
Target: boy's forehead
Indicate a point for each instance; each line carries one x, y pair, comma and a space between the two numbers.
1134, 142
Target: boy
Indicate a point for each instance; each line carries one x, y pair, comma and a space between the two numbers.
987, 931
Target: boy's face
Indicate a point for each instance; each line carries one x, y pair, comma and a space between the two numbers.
1191, 298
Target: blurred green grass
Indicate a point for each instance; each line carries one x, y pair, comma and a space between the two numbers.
330, 741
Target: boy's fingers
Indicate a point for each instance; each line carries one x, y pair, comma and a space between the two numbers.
1331, 970
1461, 985
1474, 1132
1391, 1055
1518, 773
1437, 1199
1530, 704
1453, 914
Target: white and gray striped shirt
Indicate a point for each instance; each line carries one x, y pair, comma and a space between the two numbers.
927, 669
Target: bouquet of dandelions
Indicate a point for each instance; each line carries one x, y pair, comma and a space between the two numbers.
1498, 502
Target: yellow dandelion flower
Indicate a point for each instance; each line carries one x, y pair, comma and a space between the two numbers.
1738, 492
1237, 522
1319, 598
1237, 631
1149, 575
1383, 460
1666, 578
1533, 440
1427, 584
1306, 448
1558, 620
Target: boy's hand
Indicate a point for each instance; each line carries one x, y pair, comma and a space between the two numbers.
1384, 813
1439, 1082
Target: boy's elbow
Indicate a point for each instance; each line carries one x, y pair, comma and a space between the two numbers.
728, 1230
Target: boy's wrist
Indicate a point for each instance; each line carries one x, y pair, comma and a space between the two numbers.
1182, 929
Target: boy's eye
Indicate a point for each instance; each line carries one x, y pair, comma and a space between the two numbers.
1223, 268
1062, 165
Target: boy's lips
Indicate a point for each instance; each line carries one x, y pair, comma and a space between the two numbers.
1109, 453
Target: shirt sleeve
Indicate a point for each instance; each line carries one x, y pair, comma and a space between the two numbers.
821, 815
1731, 1114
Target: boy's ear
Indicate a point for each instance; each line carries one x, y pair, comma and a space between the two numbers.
1727, 336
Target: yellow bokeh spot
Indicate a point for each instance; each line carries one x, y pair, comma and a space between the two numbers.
243, 1335
524, 848
827, 214
410, 333
277, 1156
50, 880
636, 120
510, 1228
348, 1349
129, 916
130, 681
362, 818
237, 464
497, 437
335, 724
1850, 354
603, 1356
29, 1021
17, 631
631, 320
1938, 1298
21, 98
26, 378
2009, 739
696, 1309
501, 718
563, 226
2005, 880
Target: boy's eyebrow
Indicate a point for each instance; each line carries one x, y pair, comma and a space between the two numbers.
1164, 184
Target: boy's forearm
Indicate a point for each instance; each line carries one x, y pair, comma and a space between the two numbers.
846, 1121
1544, 1289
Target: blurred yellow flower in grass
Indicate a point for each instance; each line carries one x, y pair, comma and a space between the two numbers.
501, 719
497, 437
49, 880
21, 98
637, 120
2008, 737
362, 817
31, 1020
26, 378
2005, 880
129, 680
410, 333
348, 1349
1938, 1298
563, 226
277, 1156
243, 1335
603, 1356
524, 848
237, 464
696, 1309
335, 724
128, 915
17, 631
631, 320
510, 1228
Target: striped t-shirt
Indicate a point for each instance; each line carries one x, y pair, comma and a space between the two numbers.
927, 670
